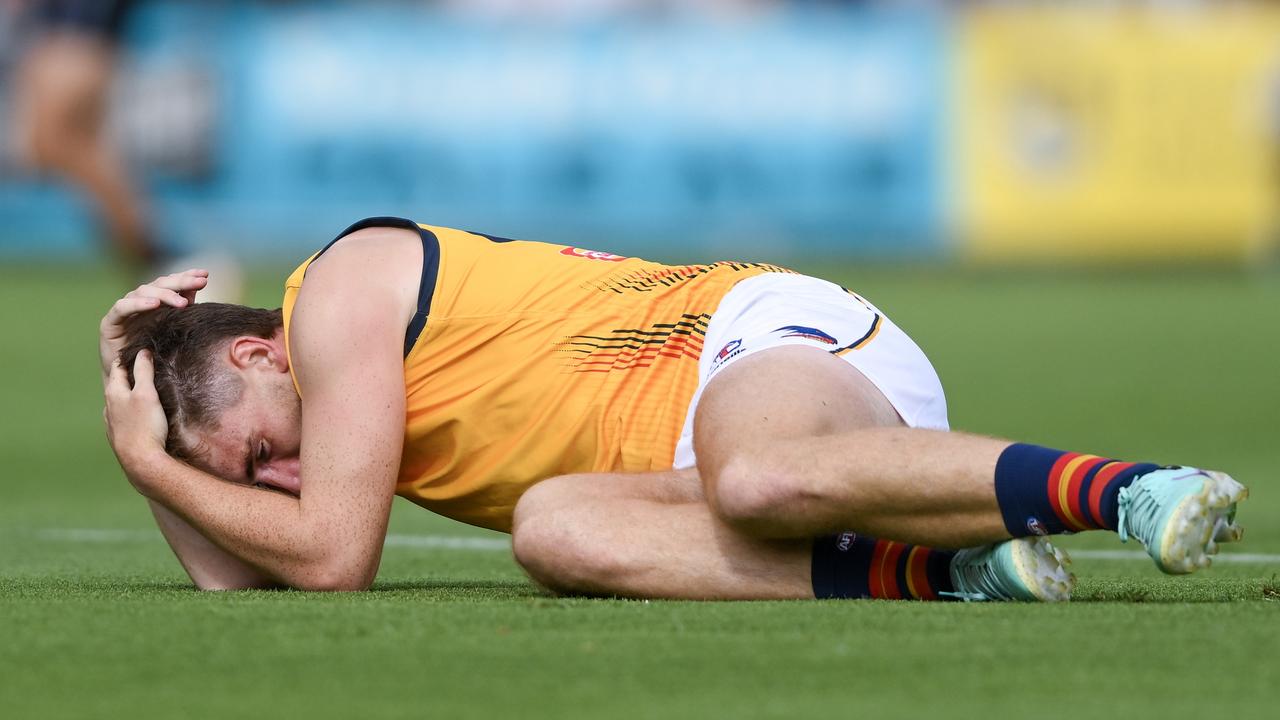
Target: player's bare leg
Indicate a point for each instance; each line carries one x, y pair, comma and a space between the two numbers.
654, 535
795, 442
648, 535
786, 451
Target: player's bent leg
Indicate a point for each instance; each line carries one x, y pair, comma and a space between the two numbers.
795, 442
632, 536
651, 536
790, 444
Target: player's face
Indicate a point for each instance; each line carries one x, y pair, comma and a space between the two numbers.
258, 439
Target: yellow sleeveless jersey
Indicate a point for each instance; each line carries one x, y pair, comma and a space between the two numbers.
528, 360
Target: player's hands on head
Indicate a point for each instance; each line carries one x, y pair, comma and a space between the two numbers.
136, 424
177, 290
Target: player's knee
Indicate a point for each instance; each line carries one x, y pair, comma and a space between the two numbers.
552, 543
562, 559
757, 495
532, 537
537, 545
538, 500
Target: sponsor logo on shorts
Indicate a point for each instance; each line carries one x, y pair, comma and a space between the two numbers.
731, 348
1035, 527
845, 541
807, 333
591, 254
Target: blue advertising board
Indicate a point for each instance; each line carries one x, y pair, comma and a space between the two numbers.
799, 133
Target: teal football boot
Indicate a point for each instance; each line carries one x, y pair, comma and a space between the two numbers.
1181, 514
1021, 569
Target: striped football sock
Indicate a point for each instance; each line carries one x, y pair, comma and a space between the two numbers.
1045, 492
853, 566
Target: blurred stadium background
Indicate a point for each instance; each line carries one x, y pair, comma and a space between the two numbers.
1147, 131
1071, 206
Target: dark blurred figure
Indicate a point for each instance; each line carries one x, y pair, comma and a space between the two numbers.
62, 88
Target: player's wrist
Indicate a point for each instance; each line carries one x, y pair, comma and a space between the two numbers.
145, 463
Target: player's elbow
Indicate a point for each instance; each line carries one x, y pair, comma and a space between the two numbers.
221, 579
335, 572
333, 561
335, 584
220, 585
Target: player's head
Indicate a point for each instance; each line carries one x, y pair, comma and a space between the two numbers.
222, 374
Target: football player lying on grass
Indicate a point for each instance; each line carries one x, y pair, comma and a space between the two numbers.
721, 431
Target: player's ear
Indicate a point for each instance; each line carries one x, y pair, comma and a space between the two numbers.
249, 351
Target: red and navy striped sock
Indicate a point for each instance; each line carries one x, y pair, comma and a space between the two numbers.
852, 566
1042, 491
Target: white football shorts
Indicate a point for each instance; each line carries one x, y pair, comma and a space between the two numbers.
775, 309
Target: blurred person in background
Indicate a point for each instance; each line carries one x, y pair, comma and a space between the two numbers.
63, 98
62, 90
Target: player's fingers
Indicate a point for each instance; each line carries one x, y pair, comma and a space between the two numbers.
185, 283
193, 281
186, 280
165, 295
190, 295
117, 380
123, 308
127, 306
144, 372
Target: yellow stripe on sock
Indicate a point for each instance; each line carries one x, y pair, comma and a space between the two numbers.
1064, 482
911, 560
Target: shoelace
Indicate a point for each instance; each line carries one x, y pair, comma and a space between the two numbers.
979, 581
1140, 505
966, 596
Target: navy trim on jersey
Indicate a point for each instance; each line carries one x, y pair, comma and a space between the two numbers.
492, 238
430, 269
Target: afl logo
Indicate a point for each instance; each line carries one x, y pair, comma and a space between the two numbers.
591, 254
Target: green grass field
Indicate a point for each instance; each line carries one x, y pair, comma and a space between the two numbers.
97, 619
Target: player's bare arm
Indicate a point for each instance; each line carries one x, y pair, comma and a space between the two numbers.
209, 566
321, 522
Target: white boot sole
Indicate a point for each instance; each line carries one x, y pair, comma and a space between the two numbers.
1199, 523
1042, 568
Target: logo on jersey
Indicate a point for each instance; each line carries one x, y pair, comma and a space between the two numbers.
807, 333
845, 541
591, 254
1036, 527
